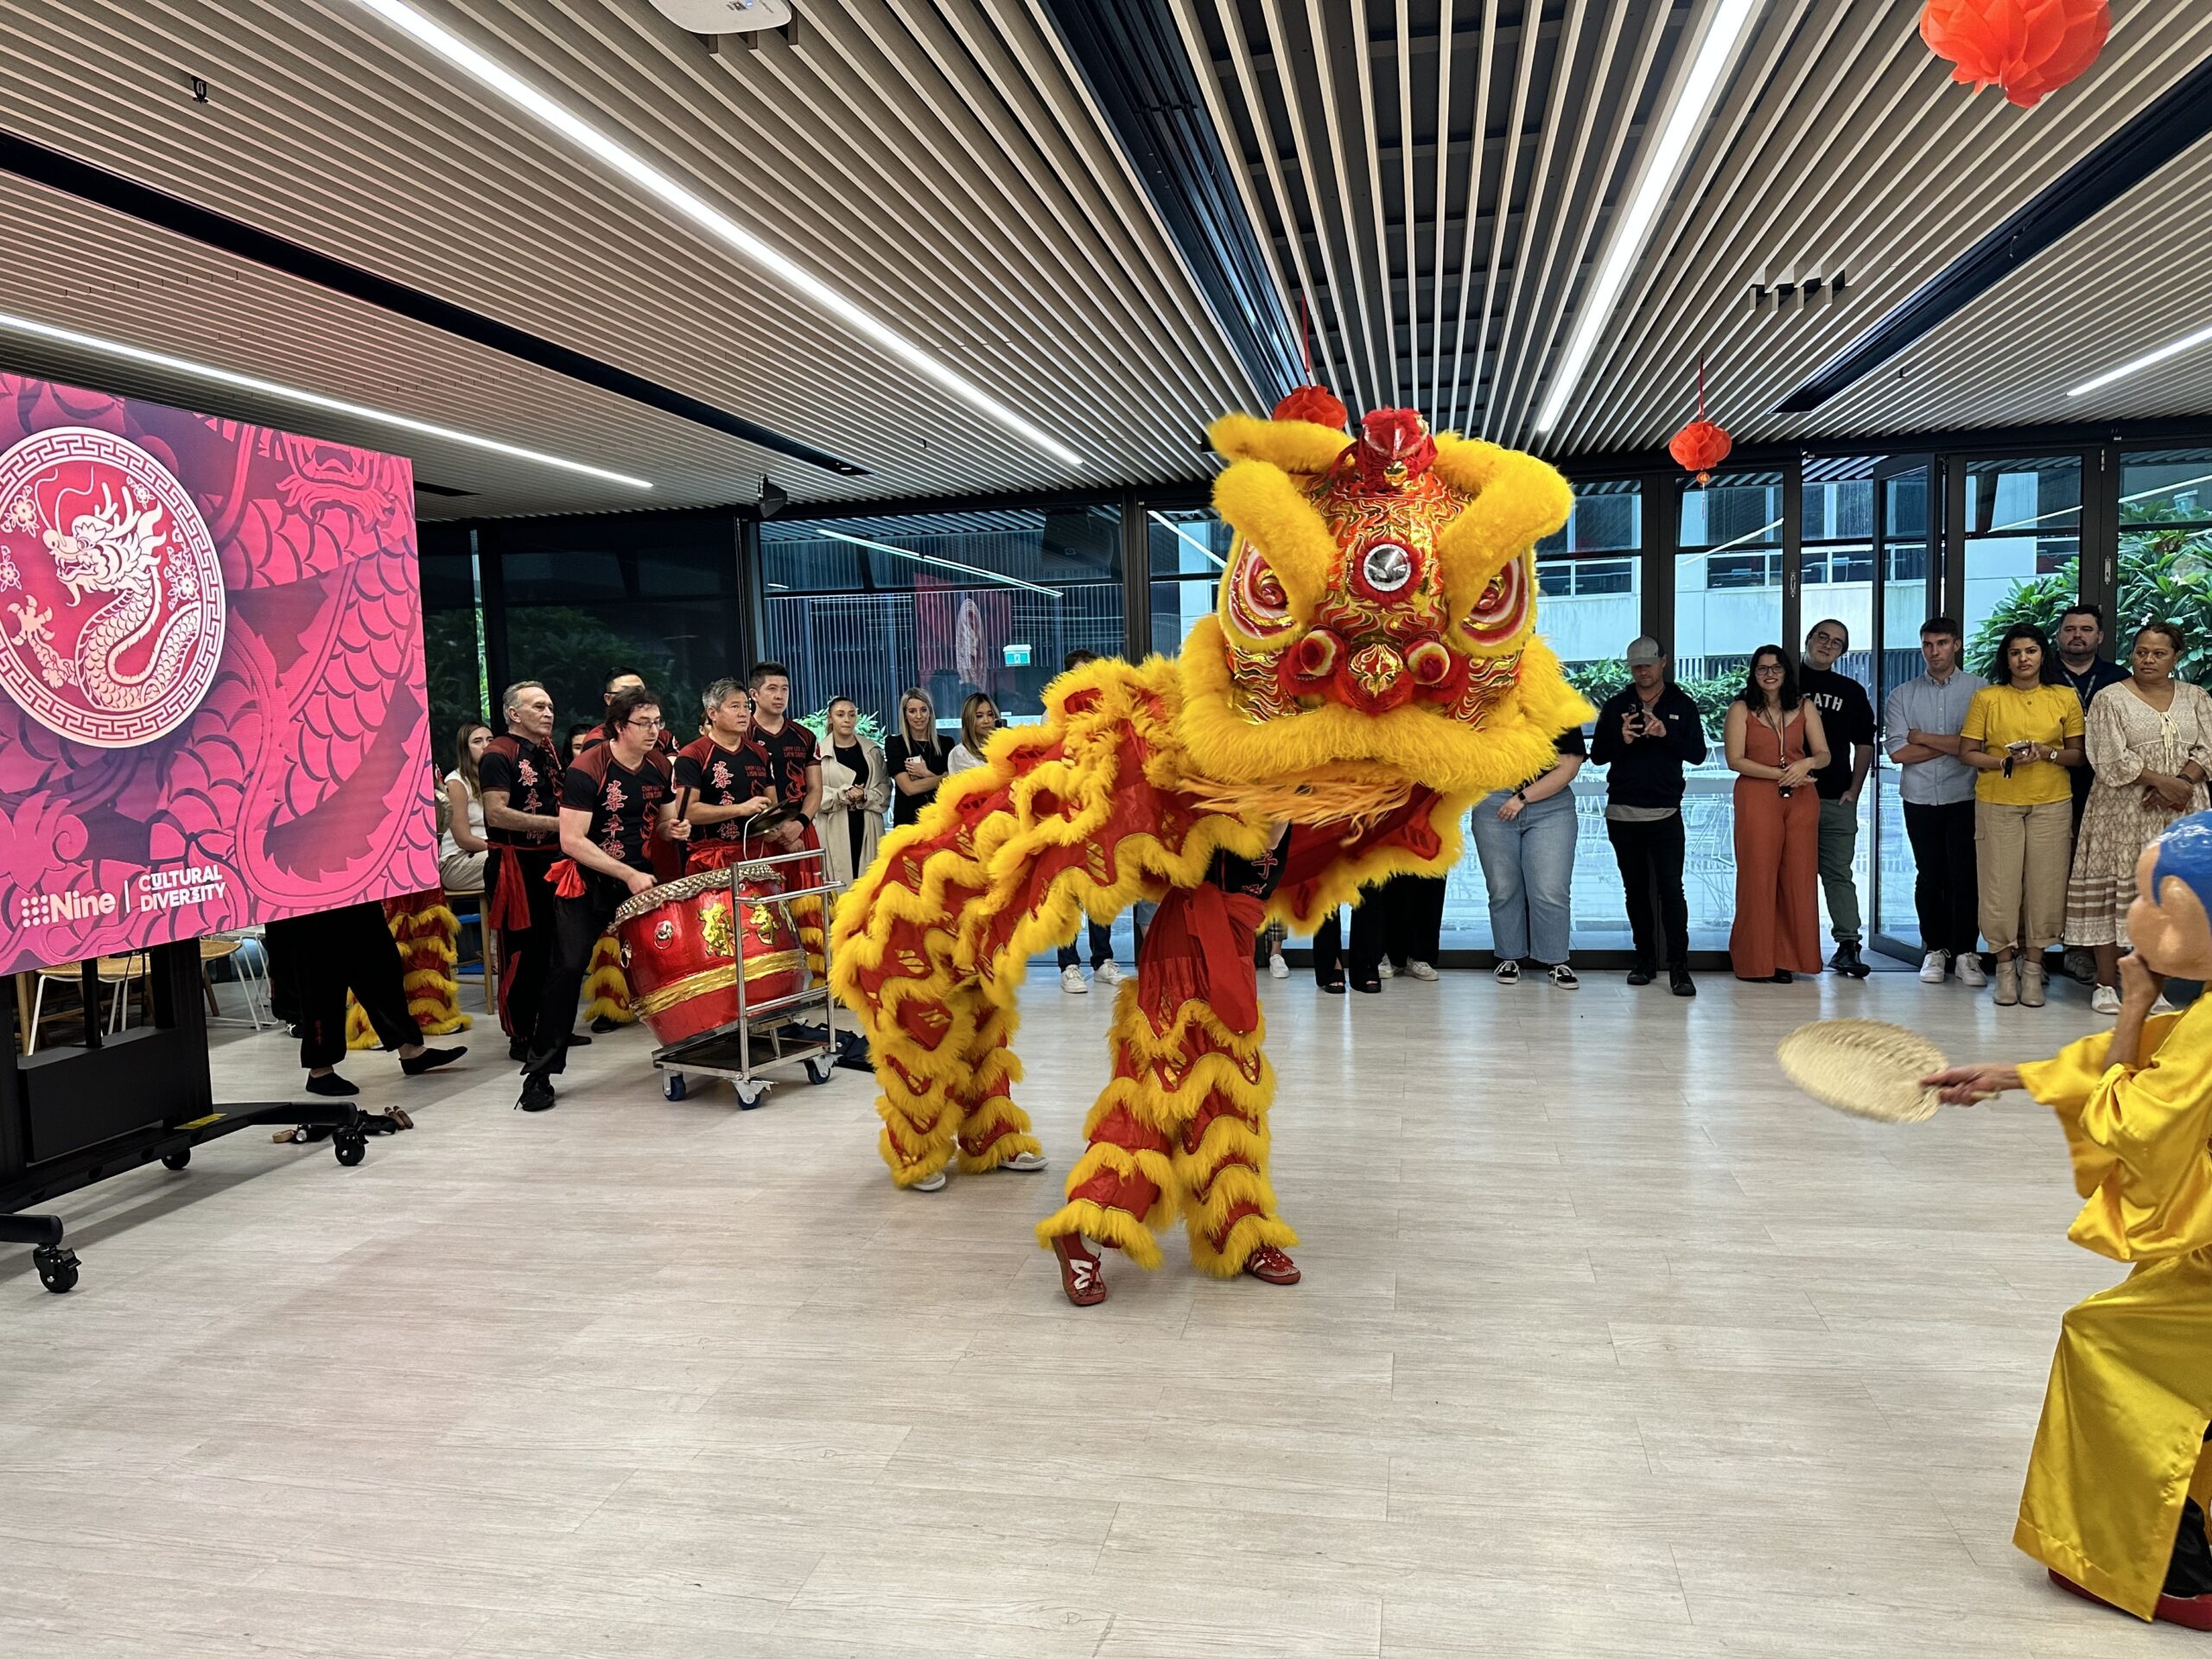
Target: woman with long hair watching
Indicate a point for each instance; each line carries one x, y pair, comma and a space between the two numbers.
979, 718
463, 850
1775, 744
2023, 730
855, 788
916, 755
2149, 743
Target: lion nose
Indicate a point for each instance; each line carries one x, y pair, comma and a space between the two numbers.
1376, 669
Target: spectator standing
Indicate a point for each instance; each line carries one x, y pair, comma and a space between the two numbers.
463, 849
1524, 841
1923, 719
979, 718
1847, 716
856, 790
917, 756
1774, 745
2149, 743
1407, 914
2080, 637
2021, 736
1645, 735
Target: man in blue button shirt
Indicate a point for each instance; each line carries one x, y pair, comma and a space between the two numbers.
1922, 721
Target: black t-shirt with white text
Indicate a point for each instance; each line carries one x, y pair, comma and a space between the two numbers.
1846, 718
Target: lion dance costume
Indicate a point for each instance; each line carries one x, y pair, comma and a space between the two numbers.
1373, 669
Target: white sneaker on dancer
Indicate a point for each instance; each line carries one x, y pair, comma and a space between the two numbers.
1277, 968
1073, 982
928, 1184
1110, 972
1026, 1160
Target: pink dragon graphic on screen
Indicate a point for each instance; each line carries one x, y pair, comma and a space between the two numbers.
211, 651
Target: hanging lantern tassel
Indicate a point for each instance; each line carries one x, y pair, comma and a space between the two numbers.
2023, 48
1701, 446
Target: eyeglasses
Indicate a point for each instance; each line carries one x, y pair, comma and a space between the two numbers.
649, 723
1830, 640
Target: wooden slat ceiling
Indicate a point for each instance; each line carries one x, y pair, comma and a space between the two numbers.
940, 162
935, 162
1839, 144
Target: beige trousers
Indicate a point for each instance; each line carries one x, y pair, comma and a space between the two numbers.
2021, 857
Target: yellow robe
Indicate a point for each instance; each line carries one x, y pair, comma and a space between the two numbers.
2121, 1442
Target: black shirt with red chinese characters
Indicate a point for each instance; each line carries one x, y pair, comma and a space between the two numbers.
531, 773
622, 802
720, 776
791, 753
1252, 878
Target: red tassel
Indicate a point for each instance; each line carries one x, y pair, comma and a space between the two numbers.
568, 881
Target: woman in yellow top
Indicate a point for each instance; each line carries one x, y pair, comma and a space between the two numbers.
2114, 1502
2022, 731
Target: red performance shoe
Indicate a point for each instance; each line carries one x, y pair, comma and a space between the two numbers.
1270, 1266
2191, 1613
1082, 1277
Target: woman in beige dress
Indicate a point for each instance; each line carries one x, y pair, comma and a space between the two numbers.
855, 789
2150, 744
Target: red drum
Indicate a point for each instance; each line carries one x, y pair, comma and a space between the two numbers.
681, 941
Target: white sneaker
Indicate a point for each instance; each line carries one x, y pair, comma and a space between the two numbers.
1073, 982
1932, 968
2163, 1006
1506, 972
1026, 1160
1420, 970
2105, 1000
1385, 971
1110, 972
1277, 968
1971, 973
928, 1184
1563, 976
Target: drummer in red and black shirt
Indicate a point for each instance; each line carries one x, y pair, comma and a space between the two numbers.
723, 781
613, 798
793, 754
520, 774
667, 856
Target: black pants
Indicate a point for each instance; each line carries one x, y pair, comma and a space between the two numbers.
577, 923
323, 956
1408, 911
524, 954
1945, 889
1101, 947
1651, 857
1365, 955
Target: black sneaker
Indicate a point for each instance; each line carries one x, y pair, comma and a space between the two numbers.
1848, 963
537, 1093
577, 1040
1563, 976
518, 1049
1678, 982
429, 1060
1641, 974
602, 1026
333, 1085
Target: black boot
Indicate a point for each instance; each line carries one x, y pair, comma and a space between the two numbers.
1847, 961
2189, 1574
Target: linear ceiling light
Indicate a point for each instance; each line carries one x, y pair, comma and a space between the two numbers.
2173, 348
942, 564
654, 182
1731, 19
294, 394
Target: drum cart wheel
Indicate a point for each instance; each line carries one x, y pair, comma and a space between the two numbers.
751, 1092
351, 1146
819, 1067
671, 1085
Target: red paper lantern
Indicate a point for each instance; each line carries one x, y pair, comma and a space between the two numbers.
2024, 48
1701, 446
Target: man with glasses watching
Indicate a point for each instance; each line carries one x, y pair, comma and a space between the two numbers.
1847, 716
611, 796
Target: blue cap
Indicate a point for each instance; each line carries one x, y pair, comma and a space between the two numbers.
2185, 851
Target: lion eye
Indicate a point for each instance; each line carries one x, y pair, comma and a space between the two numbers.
1253, 595
1503, 610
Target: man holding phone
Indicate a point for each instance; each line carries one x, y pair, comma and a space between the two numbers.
1646, 732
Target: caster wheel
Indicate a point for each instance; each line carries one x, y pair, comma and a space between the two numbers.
750, 1095
819, 1069
350, 1149
671, 1085
176, 1160
57, 1267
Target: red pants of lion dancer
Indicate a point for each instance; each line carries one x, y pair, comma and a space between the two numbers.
1183, 1127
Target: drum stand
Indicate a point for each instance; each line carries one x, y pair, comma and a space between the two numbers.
734, 1051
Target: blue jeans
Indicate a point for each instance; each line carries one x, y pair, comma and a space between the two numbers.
1528, 866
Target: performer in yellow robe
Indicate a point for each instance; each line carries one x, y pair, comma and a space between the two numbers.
2116, 1489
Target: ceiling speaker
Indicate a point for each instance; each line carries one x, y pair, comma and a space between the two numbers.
773, 498
725, 17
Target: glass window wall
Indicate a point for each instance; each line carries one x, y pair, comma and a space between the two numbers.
2166, 550
2023, 552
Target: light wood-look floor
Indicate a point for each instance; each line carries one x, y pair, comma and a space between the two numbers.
1607, 1345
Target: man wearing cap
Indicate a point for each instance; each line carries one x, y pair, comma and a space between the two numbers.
1647, 732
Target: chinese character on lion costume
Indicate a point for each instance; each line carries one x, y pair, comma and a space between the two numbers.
1372, 671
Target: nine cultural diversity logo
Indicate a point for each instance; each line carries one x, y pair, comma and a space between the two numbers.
111, 604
